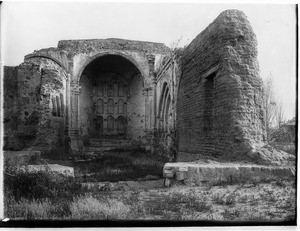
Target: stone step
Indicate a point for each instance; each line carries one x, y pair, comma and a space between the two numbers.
102, 149
109, 143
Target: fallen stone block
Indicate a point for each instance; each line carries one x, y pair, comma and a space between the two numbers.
215, 173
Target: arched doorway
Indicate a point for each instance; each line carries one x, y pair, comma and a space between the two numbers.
165, 111
111, 89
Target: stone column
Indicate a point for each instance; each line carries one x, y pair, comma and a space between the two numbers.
67, 107
151, 92
151, 99
147, 110
75, 91
76, 144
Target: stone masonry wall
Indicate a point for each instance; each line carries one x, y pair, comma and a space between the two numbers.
52, 106
30, 121
23, 84
219, 108
11, 109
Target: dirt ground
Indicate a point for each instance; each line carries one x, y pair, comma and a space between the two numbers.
263, 202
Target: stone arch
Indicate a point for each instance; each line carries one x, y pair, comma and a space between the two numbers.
46, 56
122, 90
127, 57
100, 106
110, 106
164, 108
121, 124
54, 106
110, 123
121, 106
99, 124
58, 105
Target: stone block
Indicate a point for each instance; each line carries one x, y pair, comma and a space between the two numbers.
181, 176
202, 174
167, 182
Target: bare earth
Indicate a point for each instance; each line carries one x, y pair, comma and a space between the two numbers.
261, 202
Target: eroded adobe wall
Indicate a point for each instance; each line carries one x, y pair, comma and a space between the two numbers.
50, 135
219, 108
166, 85
21, 105
36, 82
11, 115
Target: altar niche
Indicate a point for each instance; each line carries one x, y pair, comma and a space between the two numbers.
111, 99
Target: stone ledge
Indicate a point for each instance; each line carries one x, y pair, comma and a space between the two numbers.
68, 171
200, 174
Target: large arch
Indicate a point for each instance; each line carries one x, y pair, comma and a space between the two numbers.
101, 78
105, 53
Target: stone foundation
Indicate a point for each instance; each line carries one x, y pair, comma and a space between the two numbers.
213, 173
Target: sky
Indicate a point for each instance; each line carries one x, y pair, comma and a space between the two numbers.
29, 26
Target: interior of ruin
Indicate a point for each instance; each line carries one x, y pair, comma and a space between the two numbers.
111, 99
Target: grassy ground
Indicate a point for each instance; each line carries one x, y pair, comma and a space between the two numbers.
46, 195
120, 165
273, 201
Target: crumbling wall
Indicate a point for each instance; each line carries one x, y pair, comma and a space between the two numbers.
11, 110
52, 108
30, 122
136, 113
219, 108
21, 90
166, 83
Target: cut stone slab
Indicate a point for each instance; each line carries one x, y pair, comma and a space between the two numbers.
18, 158
200, 174
68, 171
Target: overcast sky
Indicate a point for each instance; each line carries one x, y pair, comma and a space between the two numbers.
29, 26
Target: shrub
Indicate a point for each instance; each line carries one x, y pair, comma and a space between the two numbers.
24, 209
42, 184
175, 202
231, 214
88, 207
36, 209
224, 200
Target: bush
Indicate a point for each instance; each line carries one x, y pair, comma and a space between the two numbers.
88, 207
36, 185
36, 209
230, 199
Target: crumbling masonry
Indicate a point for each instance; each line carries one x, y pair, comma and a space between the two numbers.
207, 95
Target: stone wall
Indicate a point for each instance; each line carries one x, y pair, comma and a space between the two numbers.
219, 108
166, 85
52, 105
11, 116
34, 107
21, 105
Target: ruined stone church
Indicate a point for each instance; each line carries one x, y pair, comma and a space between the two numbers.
207, 95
